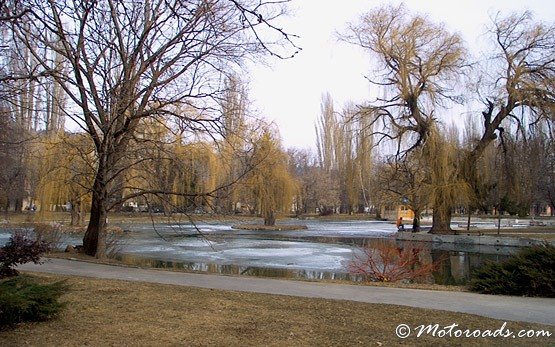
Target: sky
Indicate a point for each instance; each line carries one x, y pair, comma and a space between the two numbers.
289, 92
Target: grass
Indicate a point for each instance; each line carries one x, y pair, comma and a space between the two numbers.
110, 313
541, 233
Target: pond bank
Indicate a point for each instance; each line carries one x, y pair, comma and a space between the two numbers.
262, 227
469, 239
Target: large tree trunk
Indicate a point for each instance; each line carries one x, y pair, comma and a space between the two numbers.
94, 241
269, 218
441, 223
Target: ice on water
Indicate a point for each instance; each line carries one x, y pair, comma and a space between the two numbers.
220, 244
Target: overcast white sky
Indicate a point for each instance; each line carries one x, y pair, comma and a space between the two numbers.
289, 92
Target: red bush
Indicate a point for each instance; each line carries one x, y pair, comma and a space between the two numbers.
20, 249
383, 261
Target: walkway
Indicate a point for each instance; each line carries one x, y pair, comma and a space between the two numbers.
535, 310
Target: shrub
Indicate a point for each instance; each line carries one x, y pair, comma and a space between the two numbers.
531, 273
51, 233
20, 249
383, 261
22, 299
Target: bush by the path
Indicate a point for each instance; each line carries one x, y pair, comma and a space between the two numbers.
23, 299
531, 273
20, 249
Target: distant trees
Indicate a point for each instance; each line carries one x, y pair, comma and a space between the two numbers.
29, 109
546, 175
11, 160
344, 158
166, 123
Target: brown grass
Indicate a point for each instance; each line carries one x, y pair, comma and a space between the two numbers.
114, 313
546, 233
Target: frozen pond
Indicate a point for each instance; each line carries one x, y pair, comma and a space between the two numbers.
323, 251
219, 244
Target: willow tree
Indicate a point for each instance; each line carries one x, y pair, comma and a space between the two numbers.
518, 86
420, 63
66, 171
132, 60
272, 186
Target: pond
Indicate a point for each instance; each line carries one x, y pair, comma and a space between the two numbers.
323, 251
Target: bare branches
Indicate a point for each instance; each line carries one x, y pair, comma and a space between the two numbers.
11, 11
132, 63
524, 83
253, 17
419, 64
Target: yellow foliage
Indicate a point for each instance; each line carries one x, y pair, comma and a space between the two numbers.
272, 185
65, 169
445, 188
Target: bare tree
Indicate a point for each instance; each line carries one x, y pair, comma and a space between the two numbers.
521, 84
130, 61
421, 61
517, 88
398, 179
419, 64
12, 10
11, 160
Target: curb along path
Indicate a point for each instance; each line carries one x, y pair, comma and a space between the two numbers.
533, 310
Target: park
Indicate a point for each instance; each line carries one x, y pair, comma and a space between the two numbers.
149, 197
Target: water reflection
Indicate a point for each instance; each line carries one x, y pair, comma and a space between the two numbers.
231, 269
455, 267
322, 252
458, 267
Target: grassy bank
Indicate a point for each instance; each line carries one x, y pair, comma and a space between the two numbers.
106, 313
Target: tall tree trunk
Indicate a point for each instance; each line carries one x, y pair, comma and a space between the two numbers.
76, 212
269, 218
94, 241
441, 223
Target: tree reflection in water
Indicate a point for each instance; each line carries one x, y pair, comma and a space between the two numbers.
453, 267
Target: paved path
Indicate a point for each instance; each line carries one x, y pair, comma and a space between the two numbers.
535, 310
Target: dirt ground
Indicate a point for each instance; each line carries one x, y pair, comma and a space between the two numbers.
119, 313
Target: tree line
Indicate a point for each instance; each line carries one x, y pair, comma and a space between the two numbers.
502, 158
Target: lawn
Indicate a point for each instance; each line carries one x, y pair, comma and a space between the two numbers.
114, 313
